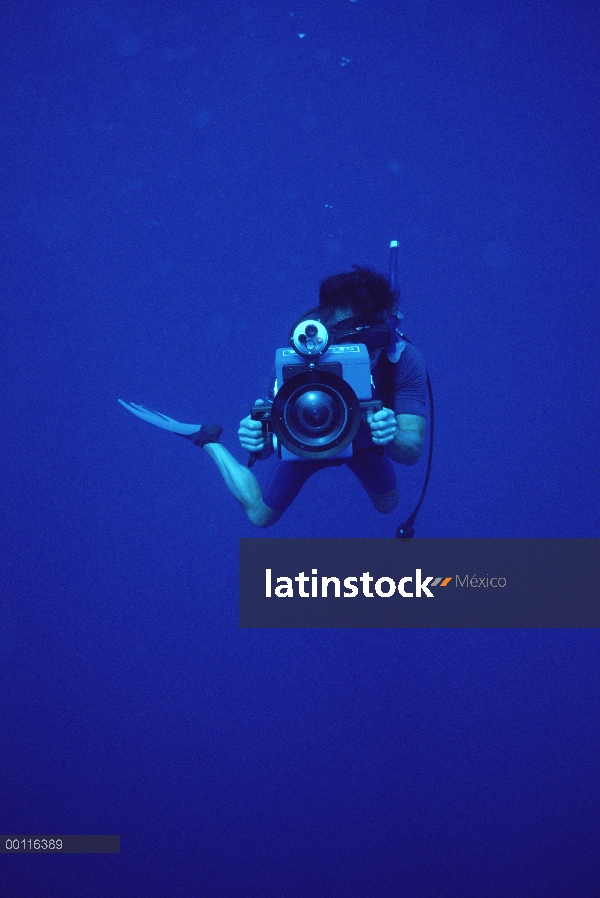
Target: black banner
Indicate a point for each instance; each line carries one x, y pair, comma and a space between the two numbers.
53, 844
420, 583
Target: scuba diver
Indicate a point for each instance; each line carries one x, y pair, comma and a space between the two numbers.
350, 389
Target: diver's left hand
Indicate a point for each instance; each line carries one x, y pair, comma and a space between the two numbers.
383, 426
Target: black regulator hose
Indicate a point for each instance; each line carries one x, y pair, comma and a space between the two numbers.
406, 530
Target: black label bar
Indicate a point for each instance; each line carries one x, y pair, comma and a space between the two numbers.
52, 844
486, 583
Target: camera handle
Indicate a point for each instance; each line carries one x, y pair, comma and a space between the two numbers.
260, 413
370, 405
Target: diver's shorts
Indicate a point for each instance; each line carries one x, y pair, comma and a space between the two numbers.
374, 470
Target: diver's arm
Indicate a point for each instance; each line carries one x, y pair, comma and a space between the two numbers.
407, 445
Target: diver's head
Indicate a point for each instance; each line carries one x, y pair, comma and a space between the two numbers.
361, 293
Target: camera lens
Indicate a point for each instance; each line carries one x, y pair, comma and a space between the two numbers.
314, 411
315, 414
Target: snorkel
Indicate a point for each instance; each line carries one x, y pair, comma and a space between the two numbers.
395, 319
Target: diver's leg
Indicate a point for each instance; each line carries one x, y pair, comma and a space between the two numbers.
288, 480
384, 502
243, 485
377, 475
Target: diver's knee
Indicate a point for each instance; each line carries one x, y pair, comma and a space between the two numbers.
384, 503
261, 515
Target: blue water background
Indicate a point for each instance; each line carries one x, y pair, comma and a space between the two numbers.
176, 180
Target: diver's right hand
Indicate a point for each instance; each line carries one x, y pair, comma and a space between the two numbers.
250, 433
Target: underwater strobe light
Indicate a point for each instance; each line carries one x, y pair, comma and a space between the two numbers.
310, 338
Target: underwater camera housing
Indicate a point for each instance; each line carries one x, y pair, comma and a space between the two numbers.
324, 392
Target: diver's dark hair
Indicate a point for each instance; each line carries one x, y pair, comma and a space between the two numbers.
366, 292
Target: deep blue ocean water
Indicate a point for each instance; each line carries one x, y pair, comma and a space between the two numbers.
176, 180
